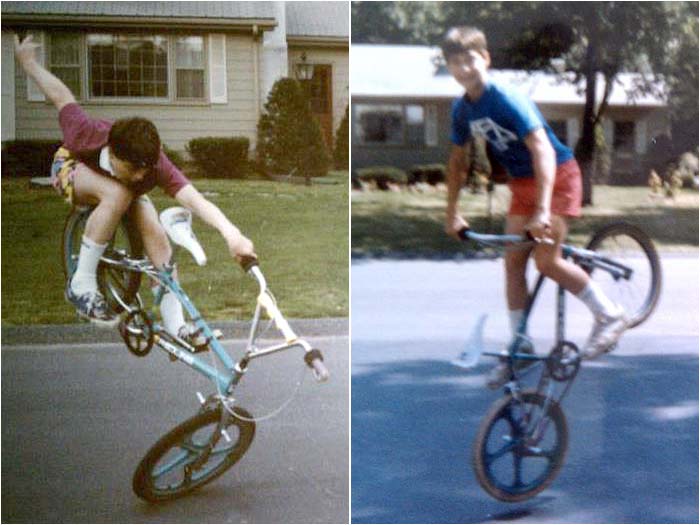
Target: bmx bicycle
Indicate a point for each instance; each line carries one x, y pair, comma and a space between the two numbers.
522, 441
203, 447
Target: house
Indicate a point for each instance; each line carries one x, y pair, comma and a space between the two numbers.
194, 68
401, 101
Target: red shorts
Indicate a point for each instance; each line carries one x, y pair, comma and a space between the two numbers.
566, 195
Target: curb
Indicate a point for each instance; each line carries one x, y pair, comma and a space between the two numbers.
87, 333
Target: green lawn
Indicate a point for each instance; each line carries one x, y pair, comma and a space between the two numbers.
300, 234
410, 223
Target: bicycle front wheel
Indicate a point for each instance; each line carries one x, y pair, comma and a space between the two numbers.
520, 447
166, 471
632, 248
118, 286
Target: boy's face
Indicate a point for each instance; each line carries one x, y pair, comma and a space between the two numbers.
125, 171
469, 68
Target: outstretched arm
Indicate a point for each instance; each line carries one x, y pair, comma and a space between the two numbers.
54, 89
457, 168
238, 244
544, 164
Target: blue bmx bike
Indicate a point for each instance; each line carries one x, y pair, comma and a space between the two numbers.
203, 447
522, 441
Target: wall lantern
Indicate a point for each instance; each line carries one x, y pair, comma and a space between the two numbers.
304, 70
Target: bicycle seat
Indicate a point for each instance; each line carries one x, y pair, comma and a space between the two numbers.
177, 222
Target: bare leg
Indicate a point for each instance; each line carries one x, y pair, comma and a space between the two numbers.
516, 265
550, 262
110, 198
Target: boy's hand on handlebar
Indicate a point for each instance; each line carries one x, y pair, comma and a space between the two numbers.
241, 248
455, 224
540, 226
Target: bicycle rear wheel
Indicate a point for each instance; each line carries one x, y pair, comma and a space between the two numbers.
520, 447
117, 286
630, 246
164, 472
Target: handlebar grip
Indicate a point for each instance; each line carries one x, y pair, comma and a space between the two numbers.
247, 262
314, 359
464, 233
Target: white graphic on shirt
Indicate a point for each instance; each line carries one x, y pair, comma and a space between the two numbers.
498, 136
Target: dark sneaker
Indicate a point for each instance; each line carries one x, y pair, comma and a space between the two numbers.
189, 333
92, 307
499, 374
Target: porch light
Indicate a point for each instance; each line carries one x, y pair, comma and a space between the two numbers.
304, 70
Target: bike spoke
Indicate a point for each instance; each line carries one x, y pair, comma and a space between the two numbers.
184, 458
490, 458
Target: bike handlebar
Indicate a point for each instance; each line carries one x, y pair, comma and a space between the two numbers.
521, 241
247, 262
314, 359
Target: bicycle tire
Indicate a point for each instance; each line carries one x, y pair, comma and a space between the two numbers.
483, 461
182, 437
110, 281
627, 243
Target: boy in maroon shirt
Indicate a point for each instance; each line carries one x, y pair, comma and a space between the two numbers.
111, 166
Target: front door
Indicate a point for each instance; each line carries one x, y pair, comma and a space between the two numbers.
321, 96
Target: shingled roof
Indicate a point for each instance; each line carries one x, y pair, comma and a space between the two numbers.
318, 19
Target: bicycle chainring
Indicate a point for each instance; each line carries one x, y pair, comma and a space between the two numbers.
137, 331
564, 361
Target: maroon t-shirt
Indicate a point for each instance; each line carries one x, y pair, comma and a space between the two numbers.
85, 137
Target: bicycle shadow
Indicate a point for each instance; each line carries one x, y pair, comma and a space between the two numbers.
633, 431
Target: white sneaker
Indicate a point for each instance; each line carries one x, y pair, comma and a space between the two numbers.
605, 334
499, 374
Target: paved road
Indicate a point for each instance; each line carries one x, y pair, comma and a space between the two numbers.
632, 415
76, 419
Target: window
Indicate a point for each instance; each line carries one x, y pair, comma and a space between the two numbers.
623, 140
64, 60
128, 66
400, 124
559, 129
379, 123
189, 66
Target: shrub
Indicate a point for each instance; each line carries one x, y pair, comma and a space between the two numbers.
341, 153
430, 173
220, 157
382, 176
175, 156
289, 137
28, 158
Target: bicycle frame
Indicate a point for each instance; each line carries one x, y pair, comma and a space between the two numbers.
226, 380
588, 259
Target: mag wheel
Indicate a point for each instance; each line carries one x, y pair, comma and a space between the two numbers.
520, 447
168, 470
118, 286
629, 246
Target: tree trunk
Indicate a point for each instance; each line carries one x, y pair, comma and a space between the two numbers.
585, 150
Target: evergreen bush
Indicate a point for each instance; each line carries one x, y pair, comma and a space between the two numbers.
341, 154
382, 176
220, 157
289, 136
175, 157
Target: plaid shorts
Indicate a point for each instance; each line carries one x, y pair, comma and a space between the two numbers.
62, 173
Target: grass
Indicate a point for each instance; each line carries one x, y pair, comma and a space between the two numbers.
410, 224
300, 235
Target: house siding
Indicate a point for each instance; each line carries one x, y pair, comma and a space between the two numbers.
338, 59
177, 124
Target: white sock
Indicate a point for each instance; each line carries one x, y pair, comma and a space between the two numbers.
515, 316
85, 276
170, 311
597, 302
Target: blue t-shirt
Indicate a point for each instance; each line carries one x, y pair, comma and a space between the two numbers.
504, 117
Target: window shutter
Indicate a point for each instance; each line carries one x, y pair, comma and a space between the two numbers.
218, 92
431, 127
640, 137
34, 94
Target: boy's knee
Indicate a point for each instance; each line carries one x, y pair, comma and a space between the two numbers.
545, 263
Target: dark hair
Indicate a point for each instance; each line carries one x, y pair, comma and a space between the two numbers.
462, 39
136, 141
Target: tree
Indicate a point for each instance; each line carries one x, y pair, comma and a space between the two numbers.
341, 152
289, 136
593, 40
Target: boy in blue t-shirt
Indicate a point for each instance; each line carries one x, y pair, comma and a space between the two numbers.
544, 180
